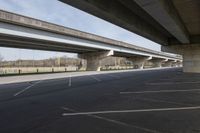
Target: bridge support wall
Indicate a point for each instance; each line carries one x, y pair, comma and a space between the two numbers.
157, 62
168, 63
191, 56
139, 62
191, 60
94, 59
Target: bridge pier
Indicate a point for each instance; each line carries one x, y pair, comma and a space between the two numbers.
139, 62
191, 59
191, 56
157, 62
168, 63
94, 59
179, 63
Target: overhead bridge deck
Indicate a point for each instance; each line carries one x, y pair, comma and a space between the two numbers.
175, 24
24, 32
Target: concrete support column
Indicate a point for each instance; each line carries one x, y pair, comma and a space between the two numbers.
191, 56
94, 59
169, 63
83, 65
191, 60
139, 62
175, 64
157, 62
179, 63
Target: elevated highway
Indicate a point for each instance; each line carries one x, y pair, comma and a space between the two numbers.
24, 32
175, 24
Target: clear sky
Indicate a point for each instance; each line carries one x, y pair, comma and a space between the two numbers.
59, 13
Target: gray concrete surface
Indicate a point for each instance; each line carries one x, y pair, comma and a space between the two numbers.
151, 101
166, 22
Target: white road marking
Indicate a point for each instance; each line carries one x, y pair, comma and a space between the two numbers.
169, 83
159, 91
97, 79
125, 124
115, 121
70, 81
132, 111
26, 88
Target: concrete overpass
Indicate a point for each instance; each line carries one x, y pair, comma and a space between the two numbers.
175, 24
24, 32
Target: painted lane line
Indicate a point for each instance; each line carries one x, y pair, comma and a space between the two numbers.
70, 81
159, 91
27, 88
115, 121
132, 111
125, 124
169, 83
97, 79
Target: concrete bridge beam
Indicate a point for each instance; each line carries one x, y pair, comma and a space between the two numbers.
94, 59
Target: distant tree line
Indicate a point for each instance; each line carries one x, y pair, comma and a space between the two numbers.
51, 62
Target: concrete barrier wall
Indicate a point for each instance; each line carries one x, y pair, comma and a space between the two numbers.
116, 67
22, 70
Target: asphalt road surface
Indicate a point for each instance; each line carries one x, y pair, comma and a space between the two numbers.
153, 101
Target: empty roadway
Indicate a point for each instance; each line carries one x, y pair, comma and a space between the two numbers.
151, 101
